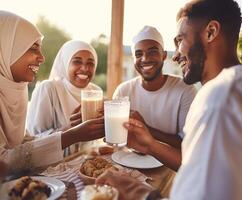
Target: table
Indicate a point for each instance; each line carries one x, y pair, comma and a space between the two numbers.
161, 177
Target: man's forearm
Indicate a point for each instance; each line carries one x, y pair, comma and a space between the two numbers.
168, 155
171, 139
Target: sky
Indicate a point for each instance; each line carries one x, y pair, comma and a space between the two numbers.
87, 19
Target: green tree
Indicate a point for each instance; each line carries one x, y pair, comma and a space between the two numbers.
54, 38
239, 48
101, 46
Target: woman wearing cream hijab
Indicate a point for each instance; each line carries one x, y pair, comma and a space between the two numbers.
55, 100
20, 59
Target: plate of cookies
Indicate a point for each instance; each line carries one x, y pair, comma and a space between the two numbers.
33, 188
93, 167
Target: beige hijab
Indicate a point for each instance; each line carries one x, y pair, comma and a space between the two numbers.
69, 95
17, 35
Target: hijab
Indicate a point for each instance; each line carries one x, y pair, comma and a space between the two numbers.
17, 35
68, 94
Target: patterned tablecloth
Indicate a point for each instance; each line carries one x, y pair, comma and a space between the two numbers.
68, 172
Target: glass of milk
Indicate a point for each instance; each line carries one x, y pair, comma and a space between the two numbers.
91, 102
116, 112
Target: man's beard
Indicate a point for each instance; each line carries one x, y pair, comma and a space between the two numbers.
154, 76
197, 57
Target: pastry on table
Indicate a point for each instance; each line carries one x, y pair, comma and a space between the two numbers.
27, 188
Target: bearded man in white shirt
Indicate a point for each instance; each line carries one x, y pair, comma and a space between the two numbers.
208, 32
161, 101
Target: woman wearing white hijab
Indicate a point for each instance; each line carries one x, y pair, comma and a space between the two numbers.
20, 58
54, 100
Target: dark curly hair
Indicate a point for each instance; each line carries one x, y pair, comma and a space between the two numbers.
226, 12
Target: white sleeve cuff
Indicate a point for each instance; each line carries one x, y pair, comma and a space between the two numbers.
47, 150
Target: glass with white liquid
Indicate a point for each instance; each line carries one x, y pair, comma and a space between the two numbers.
116, 112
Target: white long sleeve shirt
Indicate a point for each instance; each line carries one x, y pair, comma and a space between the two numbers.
211, 149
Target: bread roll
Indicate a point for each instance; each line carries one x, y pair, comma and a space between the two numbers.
105, 150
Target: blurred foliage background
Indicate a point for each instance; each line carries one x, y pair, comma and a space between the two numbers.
54, 38
239, 48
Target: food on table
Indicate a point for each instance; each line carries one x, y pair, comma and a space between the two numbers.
95, 166
105, 150
98, 192
27, 188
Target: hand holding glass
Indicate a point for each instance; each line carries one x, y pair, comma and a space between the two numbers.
116, 112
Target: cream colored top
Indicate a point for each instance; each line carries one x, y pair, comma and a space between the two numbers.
13, 96
16, 36
51, 106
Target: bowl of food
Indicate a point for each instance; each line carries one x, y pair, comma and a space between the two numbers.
93, 167
99, 192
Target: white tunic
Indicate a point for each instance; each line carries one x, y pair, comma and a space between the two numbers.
54, 100
51, 106
164, 109
211, 149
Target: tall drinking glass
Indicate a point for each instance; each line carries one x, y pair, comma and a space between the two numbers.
116, 112
91, 102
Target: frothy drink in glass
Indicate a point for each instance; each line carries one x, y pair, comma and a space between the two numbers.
91, 102
116, 112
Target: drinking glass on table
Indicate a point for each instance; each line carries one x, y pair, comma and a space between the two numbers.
116, 112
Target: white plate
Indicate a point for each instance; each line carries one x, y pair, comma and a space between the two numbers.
131, 159
57, 187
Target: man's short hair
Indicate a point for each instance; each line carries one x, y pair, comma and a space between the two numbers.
226, 12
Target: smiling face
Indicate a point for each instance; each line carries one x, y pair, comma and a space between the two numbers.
81, 68
26, 67
190, 53
149, 58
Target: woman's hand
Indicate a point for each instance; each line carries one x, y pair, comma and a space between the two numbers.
128, 187
89, 130
76, 116
75, 119
139, 137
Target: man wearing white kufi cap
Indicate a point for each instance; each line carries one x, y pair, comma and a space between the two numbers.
149, 33
160, 100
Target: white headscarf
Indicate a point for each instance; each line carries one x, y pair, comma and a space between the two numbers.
63, 58
17, 35
69, 95
148, 33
